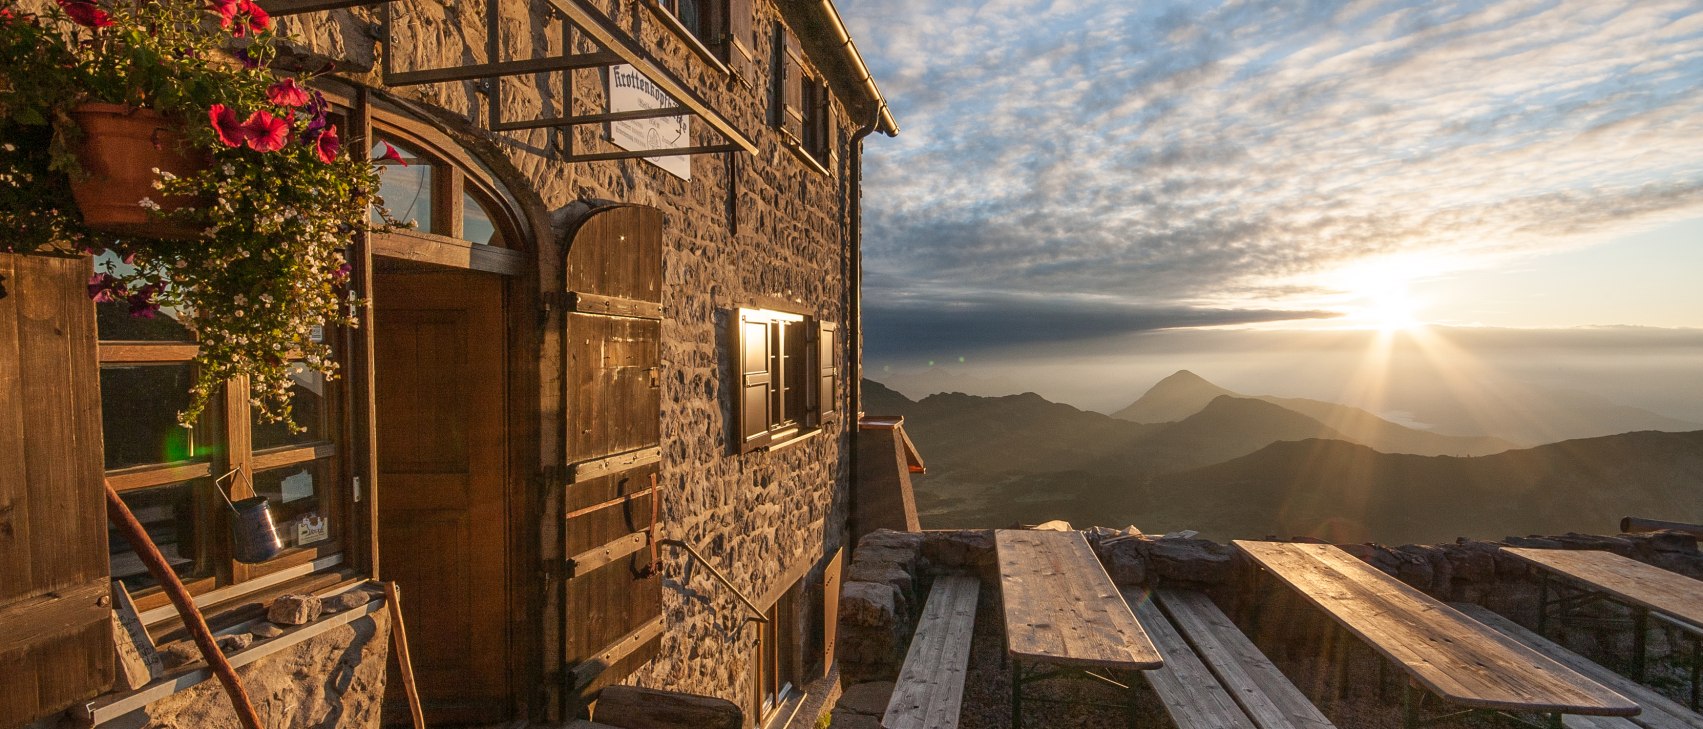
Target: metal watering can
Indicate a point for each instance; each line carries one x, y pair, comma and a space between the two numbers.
254, 538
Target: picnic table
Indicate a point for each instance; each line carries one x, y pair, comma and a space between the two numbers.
1589, 576
1452, 656
1064, 617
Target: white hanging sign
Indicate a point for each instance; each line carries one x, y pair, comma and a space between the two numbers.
629, 90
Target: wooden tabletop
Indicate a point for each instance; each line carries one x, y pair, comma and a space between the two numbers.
1634, 582
1062, 609
1453, 656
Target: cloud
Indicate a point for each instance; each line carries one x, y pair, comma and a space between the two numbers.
1175, 157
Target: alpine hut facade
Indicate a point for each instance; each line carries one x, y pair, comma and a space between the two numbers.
596, 424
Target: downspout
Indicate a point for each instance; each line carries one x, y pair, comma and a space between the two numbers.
854, 301
854, 60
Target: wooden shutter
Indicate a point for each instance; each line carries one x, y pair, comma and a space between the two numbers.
831, 606
55, 617
827, 368
787, 106
739, 45
754, 378
612, 598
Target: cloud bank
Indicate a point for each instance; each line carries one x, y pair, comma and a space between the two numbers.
1157, 164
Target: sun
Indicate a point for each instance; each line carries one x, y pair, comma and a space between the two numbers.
1380, 296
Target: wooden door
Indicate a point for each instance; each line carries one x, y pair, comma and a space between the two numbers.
55, 618
613, 329
440, 355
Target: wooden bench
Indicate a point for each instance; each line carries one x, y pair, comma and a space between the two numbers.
930, 688
1268, 697
1193, 698
1449, 655
1659, 712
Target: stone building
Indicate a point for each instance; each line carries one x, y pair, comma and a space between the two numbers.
598, 429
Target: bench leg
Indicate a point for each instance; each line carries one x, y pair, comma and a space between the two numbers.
1542, 602
1640, 640
1016, 694
1409, 706
1696, 667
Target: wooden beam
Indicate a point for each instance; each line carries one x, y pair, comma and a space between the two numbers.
498, 69
596, 557
624, 646
612, 305
588, 470
642, 153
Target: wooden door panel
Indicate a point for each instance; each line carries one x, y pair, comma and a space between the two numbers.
604, 509
612, 405
441, 352
614, 393
610, 602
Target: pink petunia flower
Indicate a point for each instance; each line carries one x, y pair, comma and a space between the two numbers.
287, 93
86, 13
264, 132
225, 124
142, 303
326, 145
391, 154
241, 17
105, 288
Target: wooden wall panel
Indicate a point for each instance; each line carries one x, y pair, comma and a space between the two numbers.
55, 626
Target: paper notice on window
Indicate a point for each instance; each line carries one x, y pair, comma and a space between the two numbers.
629, 90
297, 487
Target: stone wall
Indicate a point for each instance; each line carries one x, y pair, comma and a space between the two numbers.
781, 243
890, 574
334, 679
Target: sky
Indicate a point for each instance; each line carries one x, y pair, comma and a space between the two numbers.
1074, 173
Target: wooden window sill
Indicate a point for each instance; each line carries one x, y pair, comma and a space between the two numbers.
114, 705
791, 441
797, 149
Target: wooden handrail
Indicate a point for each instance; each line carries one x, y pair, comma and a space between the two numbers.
756, 611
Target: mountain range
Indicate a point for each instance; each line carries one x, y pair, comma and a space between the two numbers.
1191, 455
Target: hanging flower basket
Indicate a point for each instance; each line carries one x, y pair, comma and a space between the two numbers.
123, 151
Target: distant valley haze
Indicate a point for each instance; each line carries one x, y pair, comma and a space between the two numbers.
1435, 266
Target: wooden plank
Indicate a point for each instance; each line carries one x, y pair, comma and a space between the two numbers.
26, 622
1192, 696
596, 557
418, 247
139, 352
587, 303
1633, 524
588, 470
930, 688
16, 548
1062, 608
1660, 712
1669, 593
1451, 655
1268, 697
626, 644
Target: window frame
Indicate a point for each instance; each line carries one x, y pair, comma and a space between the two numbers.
227, 429
800, 103
714, 30
793, 350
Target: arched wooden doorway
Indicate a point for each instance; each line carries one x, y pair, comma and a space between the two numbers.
447, 334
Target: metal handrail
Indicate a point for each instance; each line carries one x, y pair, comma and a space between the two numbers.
746, 601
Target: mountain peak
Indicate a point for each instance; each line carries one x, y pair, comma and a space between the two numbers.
1179, 395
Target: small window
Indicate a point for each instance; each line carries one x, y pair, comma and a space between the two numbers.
787, 376
799, 105
718, 30
777, 657
437, 196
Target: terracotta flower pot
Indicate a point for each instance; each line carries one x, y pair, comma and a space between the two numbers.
120, 149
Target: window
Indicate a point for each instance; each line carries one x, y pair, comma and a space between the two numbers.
718, 30
434, 196
799, 106
777, 659
787, 376
170, 476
